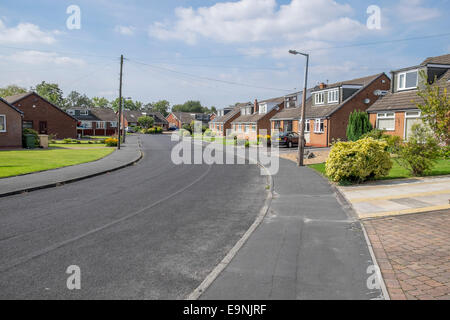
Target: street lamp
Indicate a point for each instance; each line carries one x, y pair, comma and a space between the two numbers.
301, 144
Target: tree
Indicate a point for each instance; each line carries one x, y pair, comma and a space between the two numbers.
358, 125
51, 92
189, 106
213, 109
11, 90
100, 102
146, 122
435, 108
128, 104
75, 99
161, 106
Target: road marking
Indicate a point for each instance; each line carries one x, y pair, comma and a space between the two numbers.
402, 212
401, 196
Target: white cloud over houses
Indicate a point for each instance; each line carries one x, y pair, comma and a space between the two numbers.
259, 20
125, 30
42, 58
25, 33
415, 11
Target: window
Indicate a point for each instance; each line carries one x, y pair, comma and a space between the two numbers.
2, 123
100, 125
247, 128
333, 96
113, 124
386, 121
277, 125
263, 108
319, 126
84, 112
407, 80
307, 126
71, 112
27, 124
319, 98
253, 127
86, 124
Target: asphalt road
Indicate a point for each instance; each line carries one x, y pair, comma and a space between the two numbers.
151, 231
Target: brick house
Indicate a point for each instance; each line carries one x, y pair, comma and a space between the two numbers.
132, 116
255, 119
220, 124
10, 126
95, 121
43, 116
329, 106
397, 112
178, 119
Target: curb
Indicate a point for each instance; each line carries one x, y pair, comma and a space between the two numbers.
212, 276
61, 183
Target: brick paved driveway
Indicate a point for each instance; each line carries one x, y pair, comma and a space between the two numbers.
413, 252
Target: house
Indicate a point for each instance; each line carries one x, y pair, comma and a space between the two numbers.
95, 121
132, 116
212, 116
43, 116
328, 108
397, 112
10, 126
178, 119
255, 119
222, 122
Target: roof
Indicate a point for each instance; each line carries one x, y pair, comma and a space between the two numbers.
364, 81
104, 114
231, 114
18, 97
405, 100
255, 117
157, 116
185, 117
444, 59
10, 105
325, 111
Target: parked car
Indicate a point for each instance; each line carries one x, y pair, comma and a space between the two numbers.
288, 139
173, 129
130, 130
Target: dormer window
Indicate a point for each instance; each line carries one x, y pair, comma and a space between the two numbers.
263, 108
333, 96
71, 112
84, 112
319, 98
407, 80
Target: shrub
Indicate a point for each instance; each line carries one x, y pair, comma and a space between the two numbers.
358, 161
374, 134
358, 125
111, 142
78, 141
394, 143
90, 142
150, 131
67, 141
33, 133
247, 144
158, 130
445, 152
420, 153
146, 122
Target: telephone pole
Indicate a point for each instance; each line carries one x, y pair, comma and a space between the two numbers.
120, 103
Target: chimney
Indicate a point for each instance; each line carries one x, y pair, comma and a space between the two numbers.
322, 85
256, 107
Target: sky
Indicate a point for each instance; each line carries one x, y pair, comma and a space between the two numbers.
218, 52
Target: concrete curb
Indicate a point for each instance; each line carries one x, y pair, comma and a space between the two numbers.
196, 294
60, 183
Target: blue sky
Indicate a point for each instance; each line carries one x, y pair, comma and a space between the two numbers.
184, 45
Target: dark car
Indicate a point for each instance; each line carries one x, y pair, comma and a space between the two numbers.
288, 139
173, 129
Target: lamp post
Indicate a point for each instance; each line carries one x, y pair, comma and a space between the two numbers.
301, 143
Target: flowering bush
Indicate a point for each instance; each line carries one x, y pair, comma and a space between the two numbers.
358, 161
111, 142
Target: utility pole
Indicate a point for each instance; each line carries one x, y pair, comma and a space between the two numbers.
120, 103
301, 143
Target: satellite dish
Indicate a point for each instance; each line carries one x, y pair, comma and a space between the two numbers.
367, 101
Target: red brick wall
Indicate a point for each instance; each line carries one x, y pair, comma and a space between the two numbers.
264, 122
399, 124
12, 138
174, 121
59, 123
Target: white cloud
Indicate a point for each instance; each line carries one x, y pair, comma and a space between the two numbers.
125, 30
25, 33
413, 11
41, 58
259, 20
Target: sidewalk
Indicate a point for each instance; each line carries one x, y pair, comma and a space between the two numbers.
307, 247
129, 154
397, 197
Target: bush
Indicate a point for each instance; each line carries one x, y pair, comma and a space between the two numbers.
111, 142
146, 122
187, 127
150, 131
33, 133
420, 153
158, 130
358, 161
358, 125
445, 152
374, 134
247, 144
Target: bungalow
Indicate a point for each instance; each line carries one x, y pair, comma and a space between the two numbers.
397, 112
10, 125
225, 117
255, 119
95, 121
132, 117
43, 116
178, 119
329, 107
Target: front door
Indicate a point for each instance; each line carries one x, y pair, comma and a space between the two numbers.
42, 127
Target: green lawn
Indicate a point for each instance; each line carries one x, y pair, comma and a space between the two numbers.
76, 145
397, 172
19, 162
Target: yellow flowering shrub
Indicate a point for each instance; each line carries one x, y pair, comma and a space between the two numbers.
358, 161
111, 142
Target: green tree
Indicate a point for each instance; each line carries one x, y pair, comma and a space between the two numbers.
76, 99
435, 108
189, 106
358, 125
146, 122
100, 102
128, 104
161, 106
51, 92
11, 90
